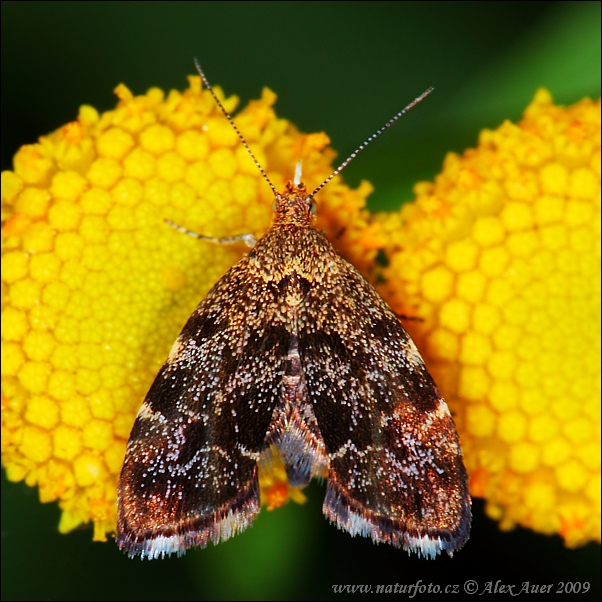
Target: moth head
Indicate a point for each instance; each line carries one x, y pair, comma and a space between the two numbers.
295, 206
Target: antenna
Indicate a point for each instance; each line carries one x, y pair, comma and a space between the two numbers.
221, 106
364, 144
340, 168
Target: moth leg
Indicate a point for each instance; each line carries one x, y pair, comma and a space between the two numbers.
248, 239
406, 318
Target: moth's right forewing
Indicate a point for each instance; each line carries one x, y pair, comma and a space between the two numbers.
396, 471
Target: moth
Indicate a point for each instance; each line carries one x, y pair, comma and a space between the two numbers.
293, 350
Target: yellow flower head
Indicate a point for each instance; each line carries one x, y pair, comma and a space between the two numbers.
500, 256
96, 286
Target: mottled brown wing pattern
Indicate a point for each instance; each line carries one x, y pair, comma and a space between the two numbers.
292, 349
396, 471
190, 473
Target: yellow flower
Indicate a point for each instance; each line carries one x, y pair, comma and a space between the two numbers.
500, 256
96, 286
275, 489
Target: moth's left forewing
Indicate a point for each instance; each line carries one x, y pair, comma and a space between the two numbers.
190, 472
396, 472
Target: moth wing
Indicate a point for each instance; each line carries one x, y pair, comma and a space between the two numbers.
396, 472
190, 472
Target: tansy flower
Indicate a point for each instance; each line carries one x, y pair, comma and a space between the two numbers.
500, 257
96, 286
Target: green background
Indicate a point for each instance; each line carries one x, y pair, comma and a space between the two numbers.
340, 67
